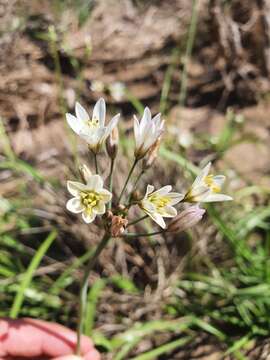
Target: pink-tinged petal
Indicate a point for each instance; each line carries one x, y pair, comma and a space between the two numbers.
99, 111
81, 113
74, 205
75, 187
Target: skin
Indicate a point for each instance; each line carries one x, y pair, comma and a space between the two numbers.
40, 340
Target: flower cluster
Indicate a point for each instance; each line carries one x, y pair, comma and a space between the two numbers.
91, 199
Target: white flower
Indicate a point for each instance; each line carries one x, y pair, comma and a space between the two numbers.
93, 131
90, 198
159, 204
146, 132
207, 188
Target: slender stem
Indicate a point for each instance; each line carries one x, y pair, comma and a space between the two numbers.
143, 234
138, 220
111, 181
96, 162
135, 185
127, 180
84, 288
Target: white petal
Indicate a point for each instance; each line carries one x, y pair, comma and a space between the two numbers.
158, 219
219, 180
204, 172
199, 193
81, 113
149, 190
146, 119
169, 211
86, 172
75, 123
111, 126
164, 190
175, 198
100, 208
217, 197
95, 183
99, 111
75, 187
147, 206
106, 195
88, 218
74, 205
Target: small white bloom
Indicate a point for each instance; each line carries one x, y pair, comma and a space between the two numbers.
146, 132
159, 204
90, 198
117, 90
207, 188
93, 131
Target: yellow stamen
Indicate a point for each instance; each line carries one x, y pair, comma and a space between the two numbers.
89, 200
210, 182
94, 123
159, 201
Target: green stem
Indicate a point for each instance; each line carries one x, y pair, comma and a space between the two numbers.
96, 162
111, 182
127, 180
138, 220
143, 234
190, 43
135, 186
84, 289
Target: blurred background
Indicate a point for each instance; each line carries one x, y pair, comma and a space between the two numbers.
205, 64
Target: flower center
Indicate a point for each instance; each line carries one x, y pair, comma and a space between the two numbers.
210, 182
93, 123
89, 200
159, 201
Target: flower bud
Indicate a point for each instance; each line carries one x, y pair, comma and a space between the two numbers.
151, 155
85, 173
186, 219
112, 143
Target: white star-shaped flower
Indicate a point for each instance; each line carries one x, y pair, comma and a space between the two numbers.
146, 132
93, 131
207, 188
90, 198
159, 204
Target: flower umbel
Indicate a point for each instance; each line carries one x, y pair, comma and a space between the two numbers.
93, 131
159, 204
90, 198
146, 132
207, 188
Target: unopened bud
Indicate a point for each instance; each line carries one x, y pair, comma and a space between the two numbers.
85, 173
151, 155
186, 219
112, 143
